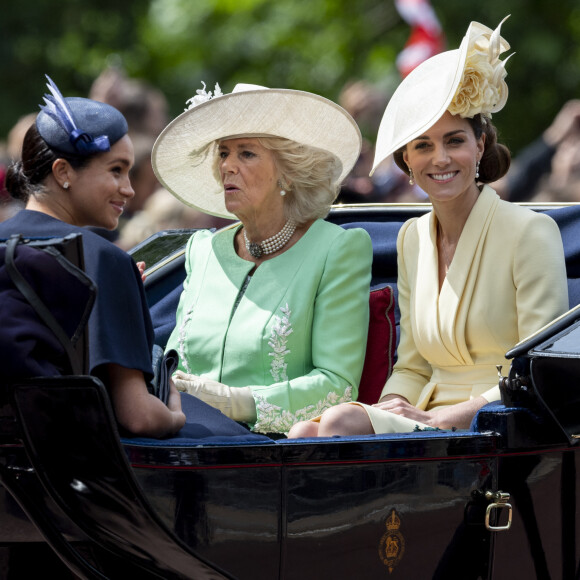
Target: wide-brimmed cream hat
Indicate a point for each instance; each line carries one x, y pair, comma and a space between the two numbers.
465, 81
182, 155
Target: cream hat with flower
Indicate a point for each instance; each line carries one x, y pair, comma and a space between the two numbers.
465, 82
183, 155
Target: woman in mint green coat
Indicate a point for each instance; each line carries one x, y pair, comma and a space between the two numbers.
271, 326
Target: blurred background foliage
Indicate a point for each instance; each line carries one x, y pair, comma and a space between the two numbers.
314, 45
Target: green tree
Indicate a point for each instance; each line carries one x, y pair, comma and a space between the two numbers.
70, 40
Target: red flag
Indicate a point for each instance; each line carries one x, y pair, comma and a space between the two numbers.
426, 39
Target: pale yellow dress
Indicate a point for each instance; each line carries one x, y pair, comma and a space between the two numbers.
507, 279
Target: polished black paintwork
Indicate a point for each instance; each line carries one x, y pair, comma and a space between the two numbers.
337, 496
91, 482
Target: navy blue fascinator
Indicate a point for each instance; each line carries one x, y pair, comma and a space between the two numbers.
77, 126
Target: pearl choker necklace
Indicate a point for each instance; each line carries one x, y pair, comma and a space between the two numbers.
273, 244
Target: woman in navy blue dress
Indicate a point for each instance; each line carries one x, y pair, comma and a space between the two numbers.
74, 172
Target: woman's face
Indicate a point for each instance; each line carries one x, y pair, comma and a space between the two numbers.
444, 158
249, 176
99, 191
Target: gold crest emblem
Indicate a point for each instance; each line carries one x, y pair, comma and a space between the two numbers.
392, 544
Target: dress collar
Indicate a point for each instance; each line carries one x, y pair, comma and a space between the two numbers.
448, 310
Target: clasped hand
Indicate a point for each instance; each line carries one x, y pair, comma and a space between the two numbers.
198, 386
400, 406
235, 402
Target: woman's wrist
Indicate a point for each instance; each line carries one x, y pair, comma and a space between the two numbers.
178, 418
391, 397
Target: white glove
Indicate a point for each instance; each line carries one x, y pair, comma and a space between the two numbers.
237, 403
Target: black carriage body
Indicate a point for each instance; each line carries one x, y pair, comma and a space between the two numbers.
331, 508
417, 505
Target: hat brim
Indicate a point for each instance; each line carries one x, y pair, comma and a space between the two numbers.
180, 155
419, 102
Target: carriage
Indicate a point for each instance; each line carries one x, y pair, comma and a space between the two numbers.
496, 501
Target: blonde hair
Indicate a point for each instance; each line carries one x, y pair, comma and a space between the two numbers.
310, 177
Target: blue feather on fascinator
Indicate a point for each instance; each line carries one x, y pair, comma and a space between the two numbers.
57, 108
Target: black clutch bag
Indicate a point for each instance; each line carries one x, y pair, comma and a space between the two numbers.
164, 365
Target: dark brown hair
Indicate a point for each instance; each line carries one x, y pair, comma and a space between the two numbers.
26, 177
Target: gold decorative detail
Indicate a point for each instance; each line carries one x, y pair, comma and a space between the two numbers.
392, 544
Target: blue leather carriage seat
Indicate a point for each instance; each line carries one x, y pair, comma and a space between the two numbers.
568, 220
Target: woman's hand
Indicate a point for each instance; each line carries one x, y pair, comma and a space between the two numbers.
174, 405
400, 406
237, 403
458, 416
174, 399
141, 266
194, 384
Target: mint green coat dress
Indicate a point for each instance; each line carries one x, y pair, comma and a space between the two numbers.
297, 337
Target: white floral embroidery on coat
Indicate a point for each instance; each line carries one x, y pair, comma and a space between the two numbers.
278, 343
181, 340
274, 419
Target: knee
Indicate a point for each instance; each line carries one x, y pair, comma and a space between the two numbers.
303, 429
345, 419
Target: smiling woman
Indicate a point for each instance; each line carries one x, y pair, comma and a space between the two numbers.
477, 274
74, 172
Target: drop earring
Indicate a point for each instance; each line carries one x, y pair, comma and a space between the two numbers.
411, 177
477, 170
282, 191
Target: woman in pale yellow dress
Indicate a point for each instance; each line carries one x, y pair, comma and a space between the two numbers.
477, 274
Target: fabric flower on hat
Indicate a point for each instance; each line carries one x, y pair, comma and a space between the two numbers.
482, 88
202, 96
